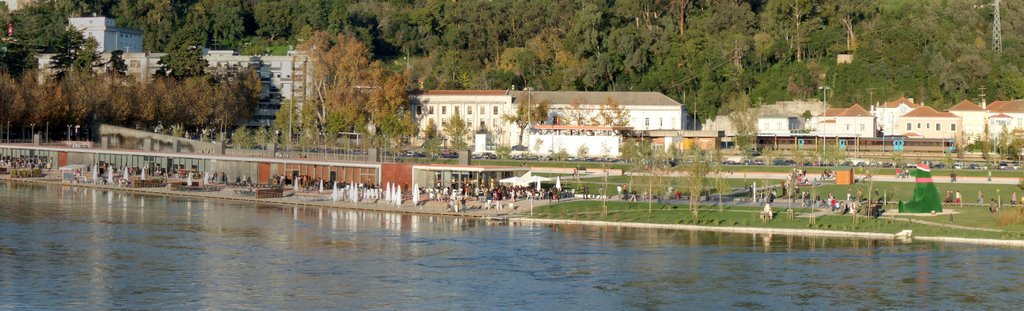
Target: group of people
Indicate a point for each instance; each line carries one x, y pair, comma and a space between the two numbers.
25, 162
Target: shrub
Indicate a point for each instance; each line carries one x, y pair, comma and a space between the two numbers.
1012, 216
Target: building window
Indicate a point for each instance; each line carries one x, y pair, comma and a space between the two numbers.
495, 110
469, 111
938, 126
847, 127
952, 127
862, 127
430, 110
647, 122
483, 110
908, 125
444, 111
919, 125
928, 125
456, 109
419, 110
483, 124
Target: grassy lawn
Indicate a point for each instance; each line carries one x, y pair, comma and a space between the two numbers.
749, 217
739, 169
904, 190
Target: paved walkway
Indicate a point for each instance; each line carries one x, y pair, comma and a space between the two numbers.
879, 178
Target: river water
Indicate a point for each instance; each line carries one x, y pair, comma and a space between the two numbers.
63, 247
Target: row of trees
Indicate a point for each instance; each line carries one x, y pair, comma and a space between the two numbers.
347, 91
78, 98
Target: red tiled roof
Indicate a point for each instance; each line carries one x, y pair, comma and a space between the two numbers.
855, 111
902, 100
908, 134
466, 92
966, 105
831, 112
1000, 116
928, 112
1002, 106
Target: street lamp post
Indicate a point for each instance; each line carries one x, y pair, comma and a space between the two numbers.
69, 132
824, 93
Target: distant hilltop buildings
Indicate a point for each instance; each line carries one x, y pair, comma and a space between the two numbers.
13, 5
282, 77
107, 34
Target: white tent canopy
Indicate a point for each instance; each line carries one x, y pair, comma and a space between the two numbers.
524, 180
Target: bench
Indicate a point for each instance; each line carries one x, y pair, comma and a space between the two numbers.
269, 193
148, 183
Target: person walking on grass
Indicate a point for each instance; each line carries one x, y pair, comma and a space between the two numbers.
981, 198
958, 199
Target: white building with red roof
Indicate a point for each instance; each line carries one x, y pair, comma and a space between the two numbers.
1011, 108
926, 122
854, 121
887, 113
974, 117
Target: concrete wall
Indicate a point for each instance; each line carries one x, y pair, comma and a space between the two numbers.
125, 138
606, 146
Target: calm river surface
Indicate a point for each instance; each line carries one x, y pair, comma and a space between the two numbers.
90, 249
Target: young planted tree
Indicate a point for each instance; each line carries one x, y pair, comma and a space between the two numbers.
744, 120
577, 112
696, 168
582, 152
611, 114
528, 112
456, 131
242, 138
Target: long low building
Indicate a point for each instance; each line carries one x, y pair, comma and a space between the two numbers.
491, 111
262, 169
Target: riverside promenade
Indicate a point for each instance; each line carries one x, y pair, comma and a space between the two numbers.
311, 199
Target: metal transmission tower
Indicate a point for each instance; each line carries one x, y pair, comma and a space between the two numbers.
997, 31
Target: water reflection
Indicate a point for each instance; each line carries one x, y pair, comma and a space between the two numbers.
85, 247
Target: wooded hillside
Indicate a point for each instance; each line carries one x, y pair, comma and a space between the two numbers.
938, 52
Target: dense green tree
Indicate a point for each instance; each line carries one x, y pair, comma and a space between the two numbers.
272, 18
184, 59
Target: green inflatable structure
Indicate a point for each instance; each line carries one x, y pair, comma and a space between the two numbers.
926, 197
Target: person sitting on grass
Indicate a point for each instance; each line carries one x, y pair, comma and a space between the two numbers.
766, 213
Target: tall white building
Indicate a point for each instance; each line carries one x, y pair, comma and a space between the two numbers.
107, 34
